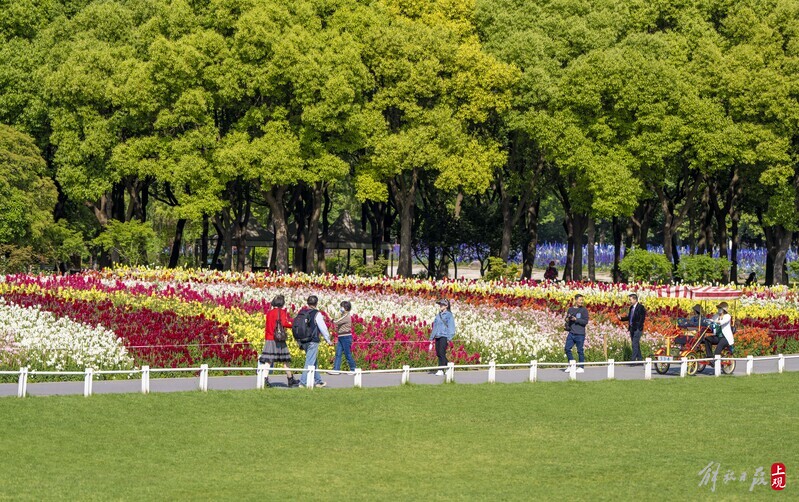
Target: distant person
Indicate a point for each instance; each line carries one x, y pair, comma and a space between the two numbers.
551, 273
575, 323
723, 336
344, 339
308, 324
275, 348
751, 280
443, 331
635, 323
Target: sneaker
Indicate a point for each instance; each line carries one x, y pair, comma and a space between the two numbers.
293, 382
566, 369
267, 383
301, 386
580, 370
321, 384
439, 373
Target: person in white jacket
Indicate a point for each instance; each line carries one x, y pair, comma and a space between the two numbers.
723, 339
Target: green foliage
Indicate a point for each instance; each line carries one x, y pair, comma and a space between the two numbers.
642, 265
498, 270
702, 268
27, 194
376, 269
17, 259
131, 240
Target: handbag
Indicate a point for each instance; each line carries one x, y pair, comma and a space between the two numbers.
280, 331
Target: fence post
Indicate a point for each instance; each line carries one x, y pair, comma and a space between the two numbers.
572, 369
406, 374
750, 364
781, 363
492, 372
611, 369
683, 366
22, 387
87, 382
311, 381
145, 379
533, 370
717, 365
450, 372
259, 372
204, 377
648, 369
357, 381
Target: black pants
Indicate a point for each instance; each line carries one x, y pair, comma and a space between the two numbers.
710, 340
635, 339
441, 350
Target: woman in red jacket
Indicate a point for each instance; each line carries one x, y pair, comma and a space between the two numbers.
275, 351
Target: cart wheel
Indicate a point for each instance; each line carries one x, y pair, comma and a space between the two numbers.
727, 367
693, 366
701, 367
662, 368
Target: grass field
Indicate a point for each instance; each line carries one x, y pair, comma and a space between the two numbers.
600, 440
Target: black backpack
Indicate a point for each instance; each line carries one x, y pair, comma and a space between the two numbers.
304, 326
280, 331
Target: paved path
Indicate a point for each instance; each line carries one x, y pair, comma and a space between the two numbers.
371, 380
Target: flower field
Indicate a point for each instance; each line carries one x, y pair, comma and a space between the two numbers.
126, 318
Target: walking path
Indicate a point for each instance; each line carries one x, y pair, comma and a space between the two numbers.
344, 380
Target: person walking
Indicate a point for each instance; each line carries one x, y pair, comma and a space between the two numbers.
344, 340
635, 323
443, 331
575, 323
723, 336
275, 348
313, 321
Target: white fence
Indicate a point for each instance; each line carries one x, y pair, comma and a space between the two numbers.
449, 371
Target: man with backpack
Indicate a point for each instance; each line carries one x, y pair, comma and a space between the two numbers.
306, 328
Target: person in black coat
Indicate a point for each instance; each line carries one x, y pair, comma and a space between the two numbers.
635, 317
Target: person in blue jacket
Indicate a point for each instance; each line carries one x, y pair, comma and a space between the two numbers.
443, 331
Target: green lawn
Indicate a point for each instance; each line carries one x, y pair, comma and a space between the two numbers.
576, 440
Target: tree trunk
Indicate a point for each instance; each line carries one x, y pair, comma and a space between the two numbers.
227, 224
321, 246
204, 243
405, 196
616, 273
591, 250
568, 226
175, 254
579, 228
317, 200
736, 241
220, 235
274, 198
778, 241
531, 247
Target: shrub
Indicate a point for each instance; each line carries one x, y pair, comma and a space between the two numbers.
702, 268
16, 259
499, 270
376, 269
641, 265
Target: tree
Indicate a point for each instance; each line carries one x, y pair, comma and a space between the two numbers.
435, 91
27, 194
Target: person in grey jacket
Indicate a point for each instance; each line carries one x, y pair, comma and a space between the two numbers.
344, 340
576, 320
443, 331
